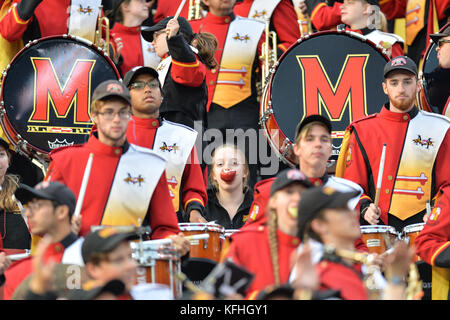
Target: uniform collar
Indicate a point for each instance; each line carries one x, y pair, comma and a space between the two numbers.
220, 20
100, 147
147, 122
118, 27
399, 117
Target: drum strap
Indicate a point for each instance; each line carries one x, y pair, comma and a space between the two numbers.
174, 143
415, 171
133, 186
83, 18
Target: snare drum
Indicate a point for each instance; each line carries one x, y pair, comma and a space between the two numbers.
434, 81
209, 248
157, 264
410, 233
333, 73
378, 238
46, 93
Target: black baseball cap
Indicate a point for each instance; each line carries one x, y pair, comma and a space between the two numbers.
136, 71
436, 36
288, 177
115, 286
313, 118
185, 29
54, 191
318, 198
104, 240
112, 88
400, 63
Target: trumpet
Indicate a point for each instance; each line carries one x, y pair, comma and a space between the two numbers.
305, 25
269, 55
194, 10
98, 40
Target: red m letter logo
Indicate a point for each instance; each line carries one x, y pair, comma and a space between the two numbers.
48, 91
349, 90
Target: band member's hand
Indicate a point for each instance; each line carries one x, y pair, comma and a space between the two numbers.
182, 245
372, 214
196, 216
119, 46
76, 224
5, 262
306, 276
398, 262
172, 28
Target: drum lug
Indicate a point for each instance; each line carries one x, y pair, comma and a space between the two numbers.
286, 147
266, 114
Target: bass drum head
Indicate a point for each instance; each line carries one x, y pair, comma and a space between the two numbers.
435, 81
335, 74
46, 93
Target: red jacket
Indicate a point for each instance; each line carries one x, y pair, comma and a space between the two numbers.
67, 166
20, 270
250, 249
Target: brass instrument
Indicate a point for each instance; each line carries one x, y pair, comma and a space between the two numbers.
305, 25
269, 53
414, 290
98, 41
194, 11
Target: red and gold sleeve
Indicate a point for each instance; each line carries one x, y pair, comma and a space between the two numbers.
393, 9
324, 17
284, 20
194, 194
12, 27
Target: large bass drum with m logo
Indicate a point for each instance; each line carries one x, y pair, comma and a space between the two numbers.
434, 81
337, 74
46, 93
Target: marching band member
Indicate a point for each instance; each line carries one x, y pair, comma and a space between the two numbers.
232, 91
127, 182
269, 255
439, 87
49, 210
361, 18
170, 140
415, 170
229, 197
186, 57
136, 51
281, 14
13, 228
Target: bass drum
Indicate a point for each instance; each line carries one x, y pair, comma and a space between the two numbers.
46, 93
337, 74
434, 81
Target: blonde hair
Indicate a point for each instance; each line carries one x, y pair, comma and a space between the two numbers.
307, 128
9, 187
273, 244
245, 164
206, 44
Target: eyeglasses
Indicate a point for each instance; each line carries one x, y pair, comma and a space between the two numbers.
110, 114
38, 204
141, 84
442, 41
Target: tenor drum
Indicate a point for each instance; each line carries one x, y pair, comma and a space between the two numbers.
337, 74
410, 233
434, 81
209, 248
378, 238
157, 264
46, 93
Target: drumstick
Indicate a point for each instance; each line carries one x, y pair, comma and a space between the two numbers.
19, 256
87, 172
380, 175
179, 9
168, 241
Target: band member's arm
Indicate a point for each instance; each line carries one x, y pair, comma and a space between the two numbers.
163, 219
194, 196
14, 23
322, 16
433, 242
397, 50
283, 19
53, 173
187, 69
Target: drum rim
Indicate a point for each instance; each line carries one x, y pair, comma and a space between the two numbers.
19, 145
413, 227
377, 227
266, 95
199, 226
